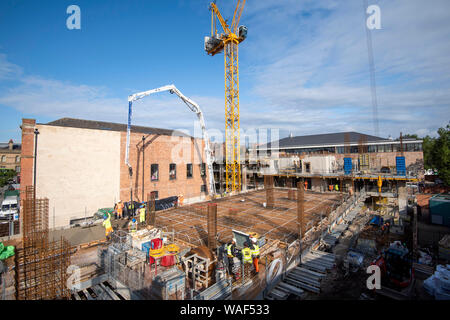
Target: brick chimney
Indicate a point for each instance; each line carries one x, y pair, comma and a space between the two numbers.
10, 144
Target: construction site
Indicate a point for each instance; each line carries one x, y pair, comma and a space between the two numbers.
301, 218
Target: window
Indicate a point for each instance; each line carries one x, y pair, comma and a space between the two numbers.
189, 170
17, 169
307, 167
203, 169
172, 171
3, 158
154, 193
17, 158
154, 172
372, 148
203, 188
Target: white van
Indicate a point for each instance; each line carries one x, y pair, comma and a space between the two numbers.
10, 207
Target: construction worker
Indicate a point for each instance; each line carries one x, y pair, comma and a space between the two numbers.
231, 253
142, 214
330, 187
133, 225
107, 225
306, 185
180, 200
131, 211
336, 187
255, 253
247, 254
119, 209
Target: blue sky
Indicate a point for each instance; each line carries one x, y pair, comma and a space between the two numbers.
303, 68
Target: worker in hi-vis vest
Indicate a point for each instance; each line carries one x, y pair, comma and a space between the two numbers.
119, 209
231, 253
107, 224
142, 214
247, 254
133, 225
255, 253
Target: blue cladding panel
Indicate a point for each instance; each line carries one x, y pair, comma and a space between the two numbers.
348, 165
401, 166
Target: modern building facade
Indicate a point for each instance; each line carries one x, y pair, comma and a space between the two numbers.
81, 165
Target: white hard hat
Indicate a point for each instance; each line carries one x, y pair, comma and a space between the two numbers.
234, 239
254, 240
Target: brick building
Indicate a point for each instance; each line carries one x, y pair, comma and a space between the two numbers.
10, 155
81, 165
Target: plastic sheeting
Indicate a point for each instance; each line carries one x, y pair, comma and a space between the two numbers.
438, 285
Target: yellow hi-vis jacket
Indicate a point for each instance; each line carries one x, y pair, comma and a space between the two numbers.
230, 252
142, 214
247, 255
255, 250
107, 222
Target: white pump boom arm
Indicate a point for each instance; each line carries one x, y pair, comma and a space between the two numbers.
194, 107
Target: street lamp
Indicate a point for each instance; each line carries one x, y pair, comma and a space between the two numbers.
36, 132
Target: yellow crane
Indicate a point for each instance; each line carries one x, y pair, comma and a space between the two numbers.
228, 42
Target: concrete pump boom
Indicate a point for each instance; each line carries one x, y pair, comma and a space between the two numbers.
194, 107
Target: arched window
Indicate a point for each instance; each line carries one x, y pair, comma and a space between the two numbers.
17, 158
3, 158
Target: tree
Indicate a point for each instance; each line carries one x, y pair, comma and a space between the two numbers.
440, 154
5, 175
427, 147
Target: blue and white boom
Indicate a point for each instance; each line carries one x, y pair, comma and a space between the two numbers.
194, 107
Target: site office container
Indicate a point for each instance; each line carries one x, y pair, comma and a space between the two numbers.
440, 209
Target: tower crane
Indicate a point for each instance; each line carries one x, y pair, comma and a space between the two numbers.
228, 42
194, 107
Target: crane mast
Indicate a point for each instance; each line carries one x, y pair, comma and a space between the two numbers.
228, 42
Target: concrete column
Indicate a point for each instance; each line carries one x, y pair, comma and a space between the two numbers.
402, 197
244, 178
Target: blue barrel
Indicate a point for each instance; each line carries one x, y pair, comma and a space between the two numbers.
146, 246
401, 166
348, 165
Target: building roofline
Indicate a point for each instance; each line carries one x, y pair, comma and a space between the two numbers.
110, 126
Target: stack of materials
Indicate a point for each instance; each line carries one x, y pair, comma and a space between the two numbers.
221, 290
307, 276
169, 285
444, 248
142, 236
438, 285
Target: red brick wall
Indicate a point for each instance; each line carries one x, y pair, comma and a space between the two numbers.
27, 155
161, 150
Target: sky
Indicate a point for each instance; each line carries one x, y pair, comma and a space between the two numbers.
303, 67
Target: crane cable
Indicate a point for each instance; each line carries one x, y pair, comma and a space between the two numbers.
373, 86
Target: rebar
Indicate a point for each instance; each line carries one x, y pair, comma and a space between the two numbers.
40, 264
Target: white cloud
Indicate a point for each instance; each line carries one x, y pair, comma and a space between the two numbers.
307, 66
8, 70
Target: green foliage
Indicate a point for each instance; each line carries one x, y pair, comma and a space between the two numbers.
440, 154
5, 175
410, 136
427, 146
436, 152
